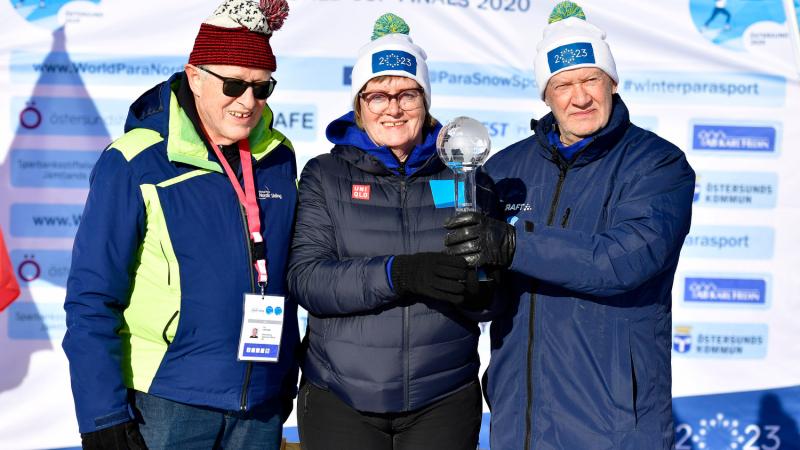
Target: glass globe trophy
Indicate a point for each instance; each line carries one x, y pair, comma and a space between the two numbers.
463, 145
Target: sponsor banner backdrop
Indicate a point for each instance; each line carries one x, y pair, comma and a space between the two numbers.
720, 79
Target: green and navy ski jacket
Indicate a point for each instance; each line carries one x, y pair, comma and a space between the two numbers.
160, 264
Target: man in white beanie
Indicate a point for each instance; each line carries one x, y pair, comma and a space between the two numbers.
596, 213
179, 257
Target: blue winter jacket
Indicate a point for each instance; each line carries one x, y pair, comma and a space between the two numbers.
376, 352
160, 264
581, 357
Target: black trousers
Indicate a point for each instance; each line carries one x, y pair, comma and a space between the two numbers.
327, 423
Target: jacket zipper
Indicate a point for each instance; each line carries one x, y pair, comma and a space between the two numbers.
562, 174
406, 312
249, 367
529, 374
565, 219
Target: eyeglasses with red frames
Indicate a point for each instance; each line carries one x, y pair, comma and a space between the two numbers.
407, 100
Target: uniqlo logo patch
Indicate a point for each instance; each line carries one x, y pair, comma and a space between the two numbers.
361, 191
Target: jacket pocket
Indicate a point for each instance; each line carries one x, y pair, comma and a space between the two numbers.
624, 378
169, 264
168, 334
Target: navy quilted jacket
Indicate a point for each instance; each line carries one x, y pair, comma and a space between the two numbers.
581, 358
358, 207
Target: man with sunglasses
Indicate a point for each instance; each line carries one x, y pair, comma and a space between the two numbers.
181, 256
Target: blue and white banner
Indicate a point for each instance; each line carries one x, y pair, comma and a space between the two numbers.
719, 79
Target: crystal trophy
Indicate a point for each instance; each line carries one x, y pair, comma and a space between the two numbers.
463, 145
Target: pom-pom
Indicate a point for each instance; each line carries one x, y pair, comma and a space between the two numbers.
275, 12
389, 24
564, 10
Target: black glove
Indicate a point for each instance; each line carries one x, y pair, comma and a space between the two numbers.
124, 436
479, 294
432, 275
483, 241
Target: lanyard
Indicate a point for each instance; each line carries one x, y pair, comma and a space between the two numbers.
248, 199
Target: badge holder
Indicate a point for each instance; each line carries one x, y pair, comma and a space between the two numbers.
262, 325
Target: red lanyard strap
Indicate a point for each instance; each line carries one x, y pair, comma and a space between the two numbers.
248, 199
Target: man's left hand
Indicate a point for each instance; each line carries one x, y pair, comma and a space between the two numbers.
483, 241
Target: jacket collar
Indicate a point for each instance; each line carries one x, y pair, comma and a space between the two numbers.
354, 145
160, 110
598, 145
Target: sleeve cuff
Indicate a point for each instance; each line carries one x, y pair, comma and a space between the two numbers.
389, 272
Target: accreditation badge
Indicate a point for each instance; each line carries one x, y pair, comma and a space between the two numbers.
262, 325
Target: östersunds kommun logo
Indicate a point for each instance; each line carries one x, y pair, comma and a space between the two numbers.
736, 189
720, 340
697, 188
682, 339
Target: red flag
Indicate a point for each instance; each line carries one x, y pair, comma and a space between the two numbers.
9, 289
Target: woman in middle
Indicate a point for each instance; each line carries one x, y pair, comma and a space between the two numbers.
391, 360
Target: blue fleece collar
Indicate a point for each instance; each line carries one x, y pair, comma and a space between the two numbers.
344, 131
567, 151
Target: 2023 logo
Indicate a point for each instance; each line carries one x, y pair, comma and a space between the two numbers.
720, 433
394, 60
568, 56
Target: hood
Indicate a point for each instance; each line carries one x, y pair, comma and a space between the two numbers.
343, 132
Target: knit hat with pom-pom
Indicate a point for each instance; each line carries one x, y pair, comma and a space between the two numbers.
570, 42
238, 32
391, 52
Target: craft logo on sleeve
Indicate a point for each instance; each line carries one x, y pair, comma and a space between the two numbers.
361, 192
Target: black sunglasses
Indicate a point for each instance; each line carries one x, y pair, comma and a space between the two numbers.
234, 87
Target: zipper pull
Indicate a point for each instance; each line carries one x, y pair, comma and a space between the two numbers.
565, 219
